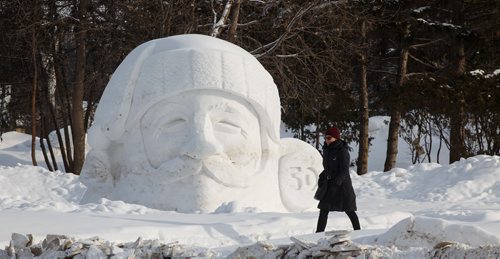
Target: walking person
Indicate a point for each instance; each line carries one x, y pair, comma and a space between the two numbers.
340, 194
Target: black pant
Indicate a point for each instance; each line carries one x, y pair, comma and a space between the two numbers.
323, 218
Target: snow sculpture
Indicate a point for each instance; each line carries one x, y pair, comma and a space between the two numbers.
191, 123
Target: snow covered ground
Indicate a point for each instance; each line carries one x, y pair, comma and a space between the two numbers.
404, 212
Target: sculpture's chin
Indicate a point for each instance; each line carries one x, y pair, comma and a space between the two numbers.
188, 185
195, 193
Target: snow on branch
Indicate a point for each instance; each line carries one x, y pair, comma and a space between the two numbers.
482, 74
216, 28
439, 24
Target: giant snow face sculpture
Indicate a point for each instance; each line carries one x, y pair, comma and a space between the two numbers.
191, 123
207, 135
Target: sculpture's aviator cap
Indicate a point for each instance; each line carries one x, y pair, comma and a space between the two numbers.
178, 64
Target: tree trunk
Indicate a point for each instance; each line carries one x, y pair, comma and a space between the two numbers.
78, 128
235, 13
52, 155
3, 108
429, 149
44, 103
440, 145
59, 84
48, 109
457, 119
392, 139
67, 116
457, 131
88, 111
59, 137
69, 147
318, 122
42, 146
61, 98
362, 167
34, 87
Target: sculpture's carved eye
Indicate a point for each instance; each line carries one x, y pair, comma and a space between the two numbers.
174, 124
230, 126
227, 126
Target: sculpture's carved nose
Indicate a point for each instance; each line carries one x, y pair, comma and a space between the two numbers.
203, 143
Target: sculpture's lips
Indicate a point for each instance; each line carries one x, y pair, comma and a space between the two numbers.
218, 168
225, 173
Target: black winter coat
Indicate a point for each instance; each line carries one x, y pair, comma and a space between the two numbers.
340, 195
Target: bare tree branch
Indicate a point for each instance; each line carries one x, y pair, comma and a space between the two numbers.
328, 4
270, 47
423, 62
415, 46
417, 74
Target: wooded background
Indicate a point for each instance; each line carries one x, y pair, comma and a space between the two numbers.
432, 66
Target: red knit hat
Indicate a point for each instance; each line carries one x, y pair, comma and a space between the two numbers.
334, 132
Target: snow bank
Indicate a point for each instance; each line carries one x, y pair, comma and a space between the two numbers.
37, 188
427, 232
403, 213
15, 148
471, 180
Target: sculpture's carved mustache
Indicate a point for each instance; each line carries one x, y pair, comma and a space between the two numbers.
218, 168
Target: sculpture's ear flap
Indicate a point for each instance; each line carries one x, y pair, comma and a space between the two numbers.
96, 171
96, 175
299, 167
